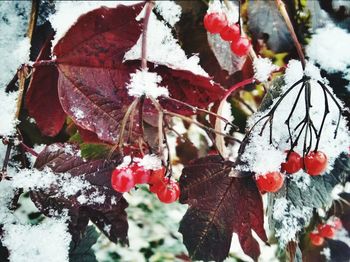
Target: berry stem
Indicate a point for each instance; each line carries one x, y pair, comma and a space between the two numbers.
28, 149
149, 7
282, 9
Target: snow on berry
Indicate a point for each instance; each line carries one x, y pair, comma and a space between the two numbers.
146, 83
263, 68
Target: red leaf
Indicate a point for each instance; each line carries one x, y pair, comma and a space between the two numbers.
42, 97
93, 77
219, 206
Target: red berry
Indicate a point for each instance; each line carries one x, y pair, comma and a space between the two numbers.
141, 175
169, 192
157, 176
293, 164
326, 231
315, 163
155, 187
215, 22
316, 239
270, 182
241, 46
337, 224
122, 180
230, 33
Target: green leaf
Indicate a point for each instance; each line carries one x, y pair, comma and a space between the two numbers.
82, 252
94, 150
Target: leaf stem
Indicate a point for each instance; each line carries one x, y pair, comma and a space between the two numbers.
149, 7
282, 9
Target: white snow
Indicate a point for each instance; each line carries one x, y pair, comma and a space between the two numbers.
329, 47
163, 48
48, 241
146, 83
8, 121
263, 68
261, 156
170, 11
289, 216
14, 45
150, 162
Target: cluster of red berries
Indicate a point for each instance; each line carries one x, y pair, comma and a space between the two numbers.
325, 231
314, 164
125, 178
217, 23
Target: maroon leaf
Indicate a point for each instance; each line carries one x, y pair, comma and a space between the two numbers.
42, 96
92, 77
96, 200
219, 206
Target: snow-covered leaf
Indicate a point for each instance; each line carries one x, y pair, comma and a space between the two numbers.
219, 206
80, 186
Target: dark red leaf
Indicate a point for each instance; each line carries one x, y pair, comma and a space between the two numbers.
42, 96
96, 201
92, 75
219, 206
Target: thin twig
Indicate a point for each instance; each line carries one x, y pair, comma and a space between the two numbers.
282, 8
149, 7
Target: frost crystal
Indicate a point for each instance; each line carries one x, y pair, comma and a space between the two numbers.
263, 68
146, 83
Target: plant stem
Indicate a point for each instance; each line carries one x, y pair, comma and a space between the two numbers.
282, 8
33, 18
149, 7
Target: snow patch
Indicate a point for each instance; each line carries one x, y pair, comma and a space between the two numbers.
8, 122
263, 68
146, 83
48, 241
163, 48
169, 10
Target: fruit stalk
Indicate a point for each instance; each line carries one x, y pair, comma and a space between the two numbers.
282, 9
149, 7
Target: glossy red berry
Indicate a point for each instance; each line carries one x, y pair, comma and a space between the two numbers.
326, 231
270, 182
316, 239
241, 46
141, 175
157, 176
156, 187
215, 22
122, 179
169, 192
315, 163
230, 33
293, 164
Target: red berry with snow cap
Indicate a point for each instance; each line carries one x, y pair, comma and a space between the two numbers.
293, 164
169, 192
230, 33
241, 46
316, 239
